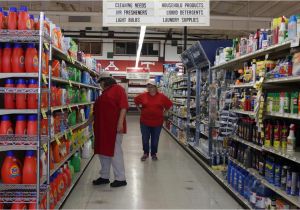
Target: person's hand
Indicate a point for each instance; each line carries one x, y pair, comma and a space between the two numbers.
120, 128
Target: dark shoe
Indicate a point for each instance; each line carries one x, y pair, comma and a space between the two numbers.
117, 183
154, 157
101, 181
144, 157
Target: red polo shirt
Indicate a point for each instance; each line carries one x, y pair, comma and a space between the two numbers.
152, 108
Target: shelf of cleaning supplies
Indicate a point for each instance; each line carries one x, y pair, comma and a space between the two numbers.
77, 84
293, 199
200, 151
84, 165
177, 103
177, 115
18, 111
180, 80
261, 52
283, 80
180, 88
283, 115
249, 113
22, 36
179, 96
293, 156
21, 90
246, 85
174, 137
176, 125
60, 54
250, 144
57, 108
18, 75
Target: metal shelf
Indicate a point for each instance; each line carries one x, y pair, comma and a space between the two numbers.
84, 165
250, 144
59, 53
77, 84
174, 137
176, 125
249, 113
283, 80
179, 96
180, 80
293, 156
173, 113
200, 151
261, 52
180, 88
21, 90
22, 36
18, 75
18, 111
284, 115
246, 85
56, 108
177, 103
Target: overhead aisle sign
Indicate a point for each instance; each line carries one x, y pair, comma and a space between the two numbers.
156, 13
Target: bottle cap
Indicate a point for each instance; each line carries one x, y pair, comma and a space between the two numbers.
13, 9
5, 13
21, 82
17, 45
23, 9
9, 81
30, 45
31, 16
5, 118
10, 153
33, 81
32, 117
21, 117
7, 45
29, 153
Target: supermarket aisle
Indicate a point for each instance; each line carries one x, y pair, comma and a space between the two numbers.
174, 181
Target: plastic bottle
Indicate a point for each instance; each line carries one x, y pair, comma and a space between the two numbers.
45, 66
18, 206
291, 139
5, 13
56, 152
21, 125
282, 31
6, 58
56, 181
253, 190
53, 193
21, 99
9, 98
32, 26
11, 170
262, 193
0, 54
32, 99
12, 22
23, 19
61, 183
71, 169
32, 125
17, 59
31, 58
55, 68
292, 28
2, 19
65, 178
69, 175
30, 168
6, 125
276, 141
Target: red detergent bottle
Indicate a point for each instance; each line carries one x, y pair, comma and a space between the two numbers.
21, 99
32, 125
30, 168
32, 24
31, 59
11, 170
53, 193
12, 22
2, 19
18, 59
5, 13
6, 125
23, 19
0, 56
19, 206
61, 184
32, 99
6, 58
21, 125
9, 98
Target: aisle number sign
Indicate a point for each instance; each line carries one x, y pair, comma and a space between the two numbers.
156, 13
137, 73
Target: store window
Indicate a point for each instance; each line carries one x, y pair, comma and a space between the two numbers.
125, 48
93, 48
150, 49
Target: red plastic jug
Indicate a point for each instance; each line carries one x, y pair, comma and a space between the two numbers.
55, 68
56, 187
32, 99
61, 184
9, 98
30, 168
68, 172
18, 206
12, 19
21, 125
32, 125
44, 127
45, 66
11, 169
53, 193
31, 59
21, 99
18, 59
0, 55
5, 13
6, 58
65, 177
1, 206
32, 26
23, 19
2, 19
6, 125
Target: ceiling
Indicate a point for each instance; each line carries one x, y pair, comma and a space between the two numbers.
229, 18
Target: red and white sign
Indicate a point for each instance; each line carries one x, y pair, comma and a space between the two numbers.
121, 65
137, 73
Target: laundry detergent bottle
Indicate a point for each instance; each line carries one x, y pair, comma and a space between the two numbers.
76, 161
11, 170
18, 59
31, 59
12, 21
6, 125
30, 168
32, 99
21, 125
21, 99
6, 58
32, 125
9, 98
0, 55
2, 19
23, 19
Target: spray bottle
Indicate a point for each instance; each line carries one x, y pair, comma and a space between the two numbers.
291, 140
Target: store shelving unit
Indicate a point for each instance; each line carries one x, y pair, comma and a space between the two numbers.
35, 192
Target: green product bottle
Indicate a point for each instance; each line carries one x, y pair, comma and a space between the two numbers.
72, 118
76, 162
71, 169
286, 102
294, 103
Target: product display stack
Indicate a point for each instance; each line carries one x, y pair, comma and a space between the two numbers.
48, 89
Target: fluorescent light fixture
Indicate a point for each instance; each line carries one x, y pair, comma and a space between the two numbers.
141, 40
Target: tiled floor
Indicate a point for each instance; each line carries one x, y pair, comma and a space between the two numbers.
175, 181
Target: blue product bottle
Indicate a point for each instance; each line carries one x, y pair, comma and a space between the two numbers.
241, 182
229, 172
232, 175
289, 182
292, 28
277, 180
254, 187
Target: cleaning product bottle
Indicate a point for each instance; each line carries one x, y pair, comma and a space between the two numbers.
32, 99
291, 139
294, 103
56, 181
69, 175
23, 19
17, 59
12, 19
284, 135
9, 98
268, 134
11, 170
31, 17
292, 28
32, 125
76, 161
31, 58
55, 68
2, 19
0, 54
71, 169
5, 13
30, 168
18, 206
62, 182
21, 125
53, 193
276, 141
262, 193
56, 152
6, 58
282, 31
65, 178
21, 99
6, 125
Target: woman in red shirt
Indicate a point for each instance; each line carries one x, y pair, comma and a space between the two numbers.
109, 127
152, 105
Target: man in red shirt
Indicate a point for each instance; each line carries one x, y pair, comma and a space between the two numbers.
152, 105
109, 127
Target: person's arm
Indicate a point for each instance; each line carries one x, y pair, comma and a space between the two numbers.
121, 120
167, 105
137, 101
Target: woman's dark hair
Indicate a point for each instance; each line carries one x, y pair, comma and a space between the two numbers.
108, 81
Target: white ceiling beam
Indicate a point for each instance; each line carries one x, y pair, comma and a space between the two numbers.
266, 7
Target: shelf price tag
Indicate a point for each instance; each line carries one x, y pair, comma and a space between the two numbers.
44, 114
71, 132
61, 109
69, 108
45, 147
70, 83
44, 79
66, 135
46, 46
57, 140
